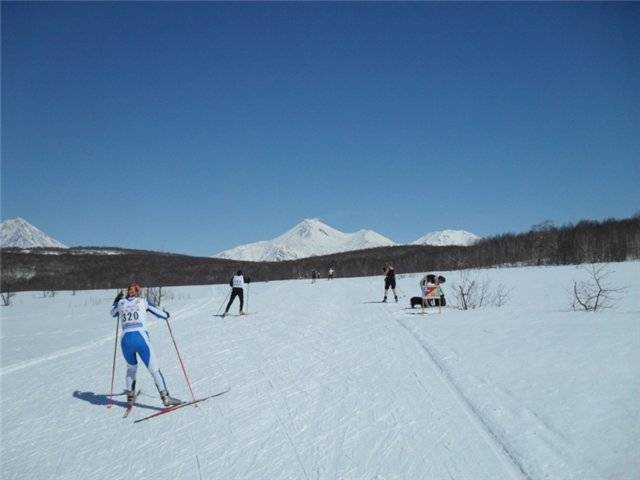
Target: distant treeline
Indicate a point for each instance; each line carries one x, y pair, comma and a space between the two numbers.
545, 244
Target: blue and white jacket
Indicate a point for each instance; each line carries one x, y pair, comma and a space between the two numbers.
133, 313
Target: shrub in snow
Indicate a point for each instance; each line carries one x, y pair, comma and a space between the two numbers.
6, 298
155, 295
595, 292
472, 291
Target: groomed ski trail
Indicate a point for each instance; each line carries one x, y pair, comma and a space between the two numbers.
502, 450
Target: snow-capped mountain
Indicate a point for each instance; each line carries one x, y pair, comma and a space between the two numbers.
17, 232
448, 237
309, 238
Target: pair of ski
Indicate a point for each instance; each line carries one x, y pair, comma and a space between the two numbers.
169, 409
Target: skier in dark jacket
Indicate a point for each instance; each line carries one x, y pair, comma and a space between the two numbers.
237, 290
390, 282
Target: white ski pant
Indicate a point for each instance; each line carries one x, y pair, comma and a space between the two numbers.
136, 344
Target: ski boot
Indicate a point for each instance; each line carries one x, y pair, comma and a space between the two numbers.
224, 314
384, 300
131, 394
168, 400
242, 312
396, 297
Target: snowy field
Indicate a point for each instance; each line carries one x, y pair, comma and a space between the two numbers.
326, 384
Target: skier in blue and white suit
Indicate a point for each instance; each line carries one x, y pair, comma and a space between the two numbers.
132, 311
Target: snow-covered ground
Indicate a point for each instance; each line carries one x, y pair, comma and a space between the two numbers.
325, 383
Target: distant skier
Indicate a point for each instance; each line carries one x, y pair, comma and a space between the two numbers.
331, 272
132, 311
237, 290
389, 282
314, 275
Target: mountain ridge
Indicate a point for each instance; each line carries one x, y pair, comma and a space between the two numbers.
311, 237
19, 233
443, 238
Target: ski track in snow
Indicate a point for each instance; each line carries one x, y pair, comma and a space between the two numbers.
322, 386
556, 447
475, 416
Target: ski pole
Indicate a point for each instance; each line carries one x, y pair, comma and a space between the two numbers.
186, 377
113, 367
222, 304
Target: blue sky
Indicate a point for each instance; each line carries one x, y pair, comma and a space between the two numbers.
195, 127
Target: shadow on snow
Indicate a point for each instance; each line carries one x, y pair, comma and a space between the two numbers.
103, 399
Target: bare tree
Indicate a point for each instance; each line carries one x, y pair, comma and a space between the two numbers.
542, 226
6, 298
595, 293
500, 296
472, 292
456, 259
153, 295
469, 292
543, 242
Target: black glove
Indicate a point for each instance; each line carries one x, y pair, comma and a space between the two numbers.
167, 314
118, 297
